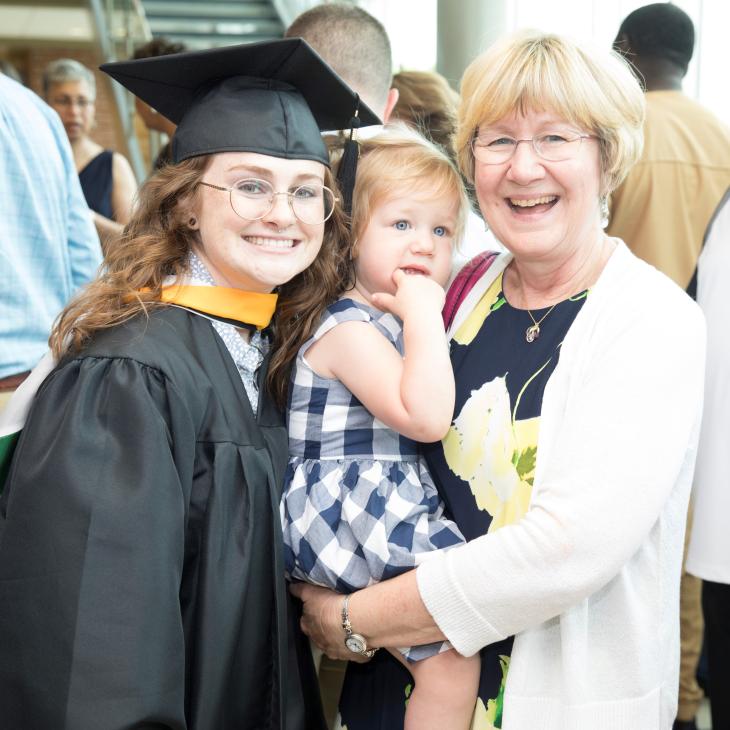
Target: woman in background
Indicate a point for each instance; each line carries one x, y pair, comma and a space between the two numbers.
106, 177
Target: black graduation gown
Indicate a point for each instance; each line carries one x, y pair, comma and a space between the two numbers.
141, 572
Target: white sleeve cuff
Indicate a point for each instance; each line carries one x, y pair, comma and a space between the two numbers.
442, 594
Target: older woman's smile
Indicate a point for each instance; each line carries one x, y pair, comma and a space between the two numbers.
545, 200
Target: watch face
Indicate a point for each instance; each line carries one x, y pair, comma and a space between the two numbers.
355, 643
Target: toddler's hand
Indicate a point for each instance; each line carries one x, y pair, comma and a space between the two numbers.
414, 294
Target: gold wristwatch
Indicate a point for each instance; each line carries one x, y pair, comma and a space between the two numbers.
356, 643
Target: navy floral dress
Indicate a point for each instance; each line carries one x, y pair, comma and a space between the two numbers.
484, 469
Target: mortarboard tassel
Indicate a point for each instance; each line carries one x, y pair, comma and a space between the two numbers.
347, 168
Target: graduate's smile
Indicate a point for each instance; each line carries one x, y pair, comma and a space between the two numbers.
271, 242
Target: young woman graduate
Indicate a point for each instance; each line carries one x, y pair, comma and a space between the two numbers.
141, 573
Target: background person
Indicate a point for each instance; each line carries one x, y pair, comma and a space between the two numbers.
663, 207
141, 567
562, 466
356, 46
662, 211
427, 103
106, 177
48, 245
708, 557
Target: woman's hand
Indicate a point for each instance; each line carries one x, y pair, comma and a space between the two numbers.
322, 620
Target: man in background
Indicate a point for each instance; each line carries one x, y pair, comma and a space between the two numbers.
663, 208
48, 244
356, 46
662, 211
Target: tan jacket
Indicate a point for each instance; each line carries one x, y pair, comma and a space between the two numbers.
664, 206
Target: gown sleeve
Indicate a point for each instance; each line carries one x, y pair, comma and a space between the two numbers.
91, 553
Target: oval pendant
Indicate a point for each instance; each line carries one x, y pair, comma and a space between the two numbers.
532, 333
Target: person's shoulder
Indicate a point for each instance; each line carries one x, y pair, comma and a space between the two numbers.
13, 93
349, 310
346, 311
25, 105
651, 292
162, 339
120, 164
682, 119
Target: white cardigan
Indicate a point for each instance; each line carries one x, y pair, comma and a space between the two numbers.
588, 580
709, 550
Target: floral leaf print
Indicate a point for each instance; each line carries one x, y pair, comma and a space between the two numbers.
480, 448
473, 323
500, 302
526, 461
483, 718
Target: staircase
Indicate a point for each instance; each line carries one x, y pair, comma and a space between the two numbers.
200, 24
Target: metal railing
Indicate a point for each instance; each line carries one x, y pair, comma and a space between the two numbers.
120, 27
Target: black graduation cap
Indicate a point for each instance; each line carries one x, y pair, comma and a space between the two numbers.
274, 98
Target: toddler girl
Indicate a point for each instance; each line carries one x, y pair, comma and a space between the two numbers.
359, 506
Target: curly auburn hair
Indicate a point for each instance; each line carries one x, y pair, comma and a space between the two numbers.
303, 299
156, 244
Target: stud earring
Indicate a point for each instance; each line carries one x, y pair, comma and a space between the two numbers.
192, 221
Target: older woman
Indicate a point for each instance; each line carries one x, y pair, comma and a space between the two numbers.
106, 177
141, 566
568, 465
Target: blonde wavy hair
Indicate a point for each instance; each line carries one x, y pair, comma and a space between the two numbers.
400, 161
156, 244
595, 90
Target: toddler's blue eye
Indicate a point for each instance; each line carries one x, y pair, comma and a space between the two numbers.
440, 231
401, 225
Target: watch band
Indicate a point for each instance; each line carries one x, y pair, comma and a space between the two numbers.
356, 643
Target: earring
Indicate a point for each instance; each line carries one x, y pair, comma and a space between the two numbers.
603, 209
192, 221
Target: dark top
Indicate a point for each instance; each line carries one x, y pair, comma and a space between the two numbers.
500, 381
97, 183
141, 571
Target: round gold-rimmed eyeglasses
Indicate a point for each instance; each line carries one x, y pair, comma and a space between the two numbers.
492, 148
252, 199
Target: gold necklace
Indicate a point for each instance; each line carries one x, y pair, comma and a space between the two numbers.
533, 331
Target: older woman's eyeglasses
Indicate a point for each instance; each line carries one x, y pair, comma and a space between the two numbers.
494, 149
252, 199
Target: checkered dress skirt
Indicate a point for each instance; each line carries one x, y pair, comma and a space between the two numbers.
359, 505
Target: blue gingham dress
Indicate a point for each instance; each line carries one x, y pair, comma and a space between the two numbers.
359, 505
